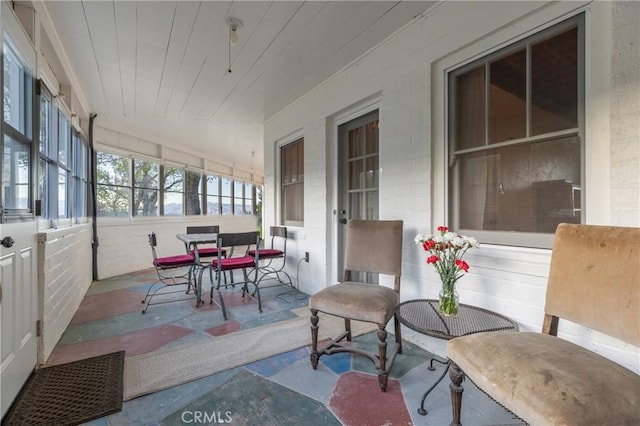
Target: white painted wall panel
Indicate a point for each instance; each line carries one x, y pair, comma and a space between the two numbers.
64, 275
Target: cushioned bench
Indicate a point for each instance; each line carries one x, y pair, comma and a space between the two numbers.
594, 281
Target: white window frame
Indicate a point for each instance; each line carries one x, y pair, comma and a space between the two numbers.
479, 49
278, 157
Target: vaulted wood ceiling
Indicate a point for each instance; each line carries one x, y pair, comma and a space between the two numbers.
163, 65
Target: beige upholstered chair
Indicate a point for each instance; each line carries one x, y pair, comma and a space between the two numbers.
374, 247
594, 282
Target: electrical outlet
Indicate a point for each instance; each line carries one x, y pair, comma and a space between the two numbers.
306, 256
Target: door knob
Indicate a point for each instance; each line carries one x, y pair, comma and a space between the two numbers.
343, 220
7, 242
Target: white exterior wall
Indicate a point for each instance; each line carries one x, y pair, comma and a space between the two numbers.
406, 74
64, 275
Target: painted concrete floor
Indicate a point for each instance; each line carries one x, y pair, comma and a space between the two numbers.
281, 390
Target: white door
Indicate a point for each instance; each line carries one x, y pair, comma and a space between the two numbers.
18, 309
18, 273
358, 175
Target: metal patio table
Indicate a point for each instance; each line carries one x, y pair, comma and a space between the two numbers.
424, 317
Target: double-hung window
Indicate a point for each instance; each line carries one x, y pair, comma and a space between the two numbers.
16, 130
63, 177
292, 183
516, 139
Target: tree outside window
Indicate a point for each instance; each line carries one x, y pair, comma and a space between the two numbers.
193, 193
146, 188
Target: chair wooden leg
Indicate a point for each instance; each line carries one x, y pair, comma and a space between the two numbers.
457, 376
383, 374
314, 339
347, 328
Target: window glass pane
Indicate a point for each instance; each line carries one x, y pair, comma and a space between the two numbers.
173, 179
112, 176
113, 200
193, 193
508, 98
146, 174
213, 205
356, 142
372, 137
248, 198
226, 186
146, 187
292, 177
63, 139
79, 156
80, 198
62, 193
43, 183
554, 83
356, 203
525, 188
112, 169
238, 201
371, 176
293, 202
238, 206
213, 183
469, 129
173, 191
15, 174
248, 206
226, 205
226, 200
356, 174
213, 192
45, 124
16, 91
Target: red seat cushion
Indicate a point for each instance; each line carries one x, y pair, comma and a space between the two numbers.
209, 251
265, 253
235, 263
178, 260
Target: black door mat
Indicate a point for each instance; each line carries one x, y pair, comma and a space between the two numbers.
70, 394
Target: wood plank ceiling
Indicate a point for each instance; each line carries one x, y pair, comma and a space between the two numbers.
163, 65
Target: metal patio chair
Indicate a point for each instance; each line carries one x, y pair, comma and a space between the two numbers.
172, 271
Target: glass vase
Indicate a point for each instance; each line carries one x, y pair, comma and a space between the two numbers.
448, 300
